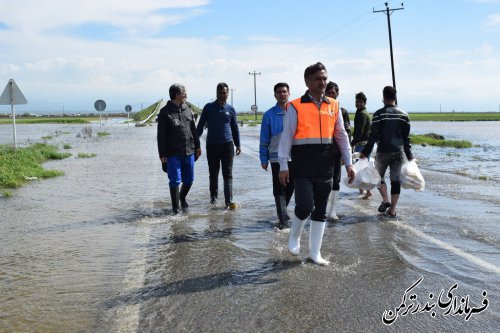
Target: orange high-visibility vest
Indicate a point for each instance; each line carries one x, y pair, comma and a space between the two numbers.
315, 126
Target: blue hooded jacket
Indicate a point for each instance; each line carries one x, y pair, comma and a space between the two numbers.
270, 132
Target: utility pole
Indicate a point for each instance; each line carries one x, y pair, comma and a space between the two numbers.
232, 96
255, 91
388, 12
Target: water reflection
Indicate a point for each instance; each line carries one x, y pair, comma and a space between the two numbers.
205, 283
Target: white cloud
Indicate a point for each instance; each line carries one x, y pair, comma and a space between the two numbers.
58, 68
265, 39
143, 16
492, 21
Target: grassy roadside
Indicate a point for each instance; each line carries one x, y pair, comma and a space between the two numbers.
65, 120
18, 167
249, 119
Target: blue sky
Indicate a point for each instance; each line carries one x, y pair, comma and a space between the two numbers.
70, 53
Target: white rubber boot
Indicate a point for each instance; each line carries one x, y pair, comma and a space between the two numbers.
332, 204
315, 240
295, 232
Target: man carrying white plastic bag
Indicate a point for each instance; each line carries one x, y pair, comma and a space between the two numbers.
367, 176
411, 178
390, 130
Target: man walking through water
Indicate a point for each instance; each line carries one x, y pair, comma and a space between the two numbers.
178, 145
223, 133
312, 122
332, 90
390, 130
270, 133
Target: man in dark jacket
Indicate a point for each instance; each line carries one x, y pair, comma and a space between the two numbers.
390, 130
223, 135
362, 124
178, 145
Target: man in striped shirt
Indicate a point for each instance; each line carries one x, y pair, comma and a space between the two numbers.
390, 130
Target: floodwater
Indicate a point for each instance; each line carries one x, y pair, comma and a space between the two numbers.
96, 250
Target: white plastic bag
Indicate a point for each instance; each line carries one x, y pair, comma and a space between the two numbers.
367, 176
410, 177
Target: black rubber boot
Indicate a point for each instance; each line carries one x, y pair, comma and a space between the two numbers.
281, 210
184, 191
213, 191
174, 196
228, 192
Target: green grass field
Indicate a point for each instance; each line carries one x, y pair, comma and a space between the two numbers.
414, 116
455, 116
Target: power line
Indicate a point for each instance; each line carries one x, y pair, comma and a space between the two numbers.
335, 33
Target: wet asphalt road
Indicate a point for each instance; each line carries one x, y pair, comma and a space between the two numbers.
98, 251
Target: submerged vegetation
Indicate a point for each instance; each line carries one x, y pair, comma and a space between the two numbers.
432, 139
85, 155
19, 166
103, 133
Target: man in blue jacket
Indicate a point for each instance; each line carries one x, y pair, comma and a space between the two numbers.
270, 133
178, 145
223, 133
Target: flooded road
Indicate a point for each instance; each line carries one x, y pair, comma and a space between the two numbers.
97, 250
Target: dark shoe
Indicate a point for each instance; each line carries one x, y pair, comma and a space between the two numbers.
383, 206
213, 200
391, 215
231, 206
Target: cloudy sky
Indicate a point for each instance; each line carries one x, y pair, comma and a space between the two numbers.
71, 52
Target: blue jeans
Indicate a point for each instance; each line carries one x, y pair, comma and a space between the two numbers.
180, 168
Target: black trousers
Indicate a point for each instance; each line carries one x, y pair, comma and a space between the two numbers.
311, 197
219, 155
337, 167
279, 189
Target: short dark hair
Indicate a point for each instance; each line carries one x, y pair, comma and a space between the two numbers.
361, 96
222, 85
310, 70
281, 85
332, 85
175, 89
389, 93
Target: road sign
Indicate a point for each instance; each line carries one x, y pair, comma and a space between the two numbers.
128, 108
12, 95
100, 105
253, 108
